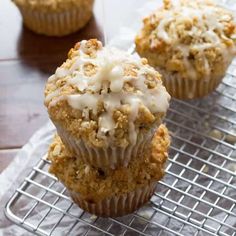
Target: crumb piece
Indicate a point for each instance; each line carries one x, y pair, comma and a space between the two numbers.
230, 139
216, 134
205, 169
87, 169
93, 217
56, 150
232, 167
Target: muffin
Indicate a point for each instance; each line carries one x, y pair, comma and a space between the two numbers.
191, 43
55, 17
110, 192
105, 103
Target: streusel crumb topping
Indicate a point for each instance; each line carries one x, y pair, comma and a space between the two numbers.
193, 38
105, 93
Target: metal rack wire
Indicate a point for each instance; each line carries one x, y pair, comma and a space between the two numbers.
196, 197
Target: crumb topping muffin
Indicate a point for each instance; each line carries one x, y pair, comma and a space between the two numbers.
94, 184
189, 40
193, 38
105, 96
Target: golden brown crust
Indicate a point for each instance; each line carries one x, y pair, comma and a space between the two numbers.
188, 34
96, 184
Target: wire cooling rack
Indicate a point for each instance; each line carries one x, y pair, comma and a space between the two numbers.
196, 197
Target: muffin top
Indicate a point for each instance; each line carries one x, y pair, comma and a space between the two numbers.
52, 5
94, 184
192, 38
105, 96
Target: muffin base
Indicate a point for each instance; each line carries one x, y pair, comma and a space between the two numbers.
117, 205
108, 157
189, 89
56, 23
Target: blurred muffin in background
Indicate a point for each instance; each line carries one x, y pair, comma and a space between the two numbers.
55, 17
105, 103
110, 192
191, 43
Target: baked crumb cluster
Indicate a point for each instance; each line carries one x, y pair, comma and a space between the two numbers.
192, 39
105, 96
55, 5
96, 184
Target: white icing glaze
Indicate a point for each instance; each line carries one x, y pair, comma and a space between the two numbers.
60, 72
82, 101
161, 31
107, 86
208, 22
